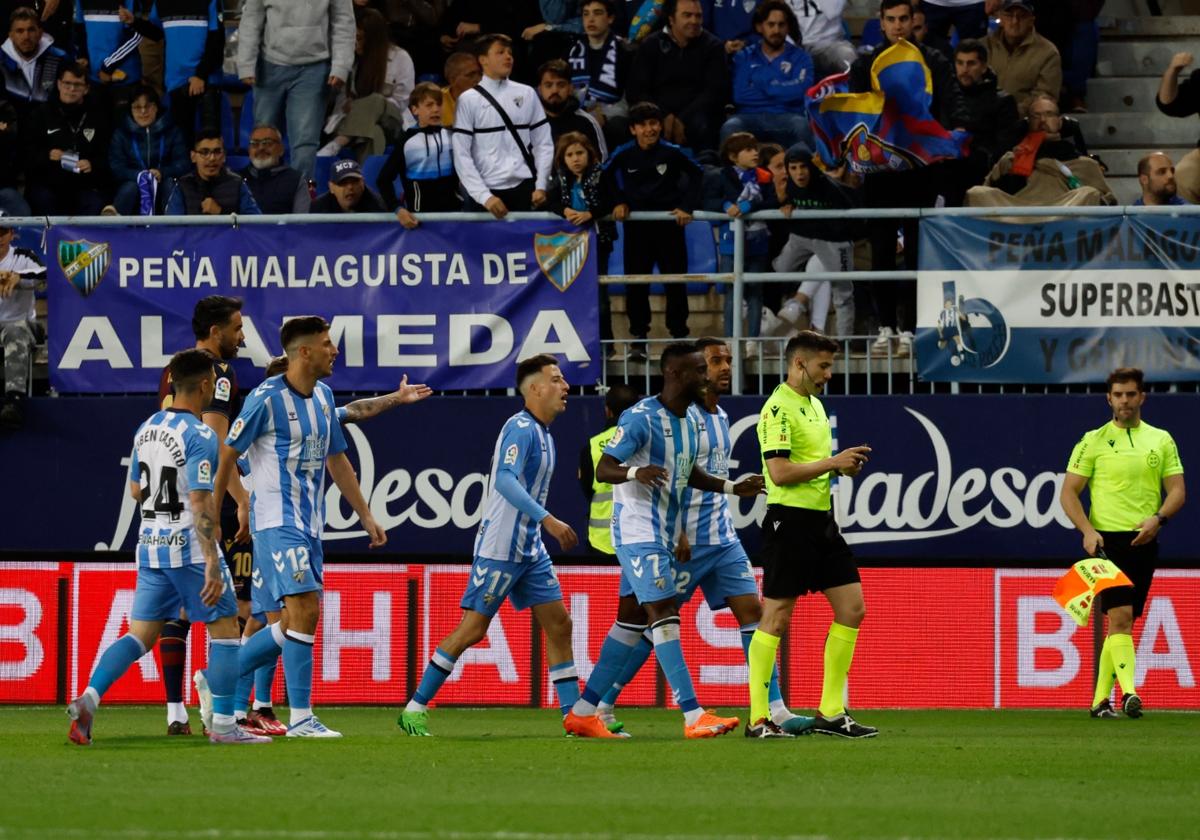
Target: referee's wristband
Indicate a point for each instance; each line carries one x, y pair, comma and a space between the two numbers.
729, 487
631, 474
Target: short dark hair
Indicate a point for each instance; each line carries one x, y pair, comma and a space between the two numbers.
484, 43
1127, 374
641, 112
188, 368
766, 151
276, 366
764, 9
208, 134
302, 327
145, 92
809, 341
671, 6
213, 311
973, 45
619, 398
736, 143
884, 5
709, 341
676, 350
74, 68
425, 90
609, 6
533, 366
26, 13
555, 67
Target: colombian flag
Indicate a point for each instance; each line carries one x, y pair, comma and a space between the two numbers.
887, 129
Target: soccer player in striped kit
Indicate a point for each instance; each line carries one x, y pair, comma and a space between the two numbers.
510, 560
651, 461
179, 565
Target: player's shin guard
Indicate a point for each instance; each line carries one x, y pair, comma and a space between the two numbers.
1120, 647
566, 684
172, 645
222, 673
298, 669
618, 646
440, 666
115, 661
641, 652
839, 653
761, 651
670, 656
1106, 674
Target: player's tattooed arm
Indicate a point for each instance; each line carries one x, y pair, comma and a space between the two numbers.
365, 409
204, 520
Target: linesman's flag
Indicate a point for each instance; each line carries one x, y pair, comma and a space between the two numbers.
887, 129
1078, 588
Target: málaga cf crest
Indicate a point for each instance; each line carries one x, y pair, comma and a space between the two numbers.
84, 263
561, 256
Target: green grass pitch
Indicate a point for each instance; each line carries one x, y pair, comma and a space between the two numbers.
509, 774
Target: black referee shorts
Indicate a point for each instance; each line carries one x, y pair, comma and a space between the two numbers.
1138, 562
803, 551
239, 556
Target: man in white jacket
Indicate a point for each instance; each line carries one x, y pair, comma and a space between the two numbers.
823, 35
294, 53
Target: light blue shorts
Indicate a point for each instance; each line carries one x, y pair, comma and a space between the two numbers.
647, 571
161, 592
290, 562
525, 584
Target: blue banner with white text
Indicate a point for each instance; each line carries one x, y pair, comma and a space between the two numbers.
1058, 301
451, 305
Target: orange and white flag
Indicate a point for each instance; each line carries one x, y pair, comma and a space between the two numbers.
1076, 590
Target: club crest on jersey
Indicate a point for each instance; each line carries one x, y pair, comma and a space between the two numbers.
561, 256
223, 389
236, 428
84, 263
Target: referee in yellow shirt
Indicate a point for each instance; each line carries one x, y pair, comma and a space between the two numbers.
803, 550
1125, 464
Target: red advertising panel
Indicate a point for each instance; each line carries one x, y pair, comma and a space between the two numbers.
28, 632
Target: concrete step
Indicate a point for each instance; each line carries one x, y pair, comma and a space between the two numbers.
1123, 162
1148, 27
1123, 94
1140, 8
1127, 190
1141, 58
1133, 131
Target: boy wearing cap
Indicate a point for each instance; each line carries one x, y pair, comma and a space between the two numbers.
348, 192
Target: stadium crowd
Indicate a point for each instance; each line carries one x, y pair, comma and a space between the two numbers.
588, 108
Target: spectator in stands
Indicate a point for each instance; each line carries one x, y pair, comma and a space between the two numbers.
277, 188
194, 52
368, 111
503, 153
912, 188
770, 78
414, 28
1182, 99
466, 20
599, 68
294, 54
562, 108
210, 189
731, 22
1045, 169
991, 112
67, 151
823, 35
1072, 27
146, 141
29, 61
683, 70
107, 35
649, 174
423, 161
21, 275
581, 194
1025, 63
348, 192
968, 17
11, 201
462, 73
1156, 174
739, 187
922, 35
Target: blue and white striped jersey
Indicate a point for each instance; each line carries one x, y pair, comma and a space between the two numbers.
706, 517
524, 453
286, 438
648, 433
174, 454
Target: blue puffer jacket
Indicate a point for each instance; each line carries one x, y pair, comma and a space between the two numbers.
159, 146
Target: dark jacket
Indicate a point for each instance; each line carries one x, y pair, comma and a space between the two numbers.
228, 190
994, 122
596, 195
948, 107
571, 118
680, 79
369, 203
25, 97
82, 129
822, 193
723, 188
423, 160
160, 146
10, 145
278, 190
635, 177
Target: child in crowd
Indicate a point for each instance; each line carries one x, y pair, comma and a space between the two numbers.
424, 162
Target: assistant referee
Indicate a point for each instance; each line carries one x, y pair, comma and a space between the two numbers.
1125, 464
803, 550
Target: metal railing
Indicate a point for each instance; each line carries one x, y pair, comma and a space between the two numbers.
738, 277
